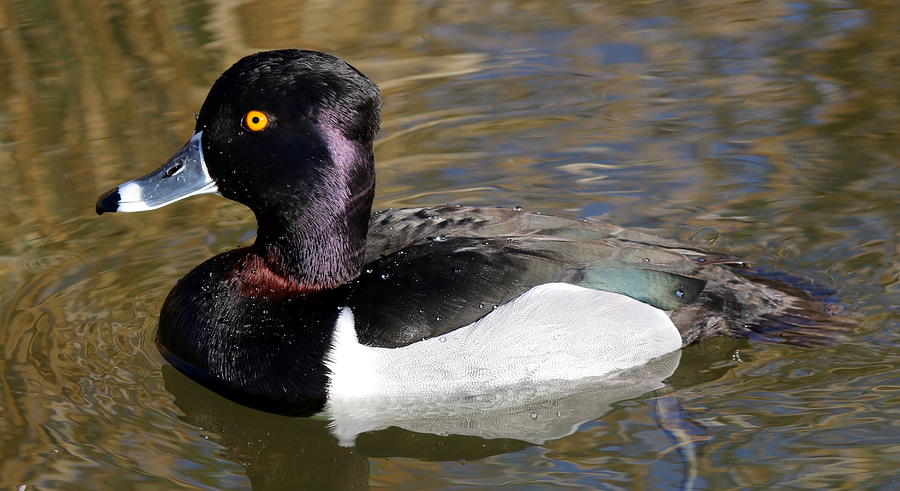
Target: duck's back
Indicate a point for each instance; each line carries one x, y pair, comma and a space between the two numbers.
441, 267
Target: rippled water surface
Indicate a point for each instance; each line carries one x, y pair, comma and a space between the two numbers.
764, 128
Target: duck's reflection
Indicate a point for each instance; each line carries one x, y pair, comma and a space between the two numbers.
278, 452
528, 413
332, 450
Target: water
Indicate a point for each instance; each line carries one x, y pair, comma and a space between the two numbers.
766, 129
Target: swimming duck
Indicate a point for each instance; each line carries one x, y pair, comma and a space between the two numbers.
334, 302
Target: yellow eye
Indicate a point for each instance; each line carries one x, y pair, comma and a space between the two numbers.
256, 120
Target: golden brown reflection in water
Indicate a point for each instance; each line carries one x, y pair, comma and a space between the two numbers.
767, 128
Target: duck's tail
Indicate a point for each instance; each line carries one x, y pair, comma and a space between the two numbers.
773, 307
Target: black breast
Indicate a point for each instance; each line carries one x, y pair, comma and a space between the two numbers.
262, 351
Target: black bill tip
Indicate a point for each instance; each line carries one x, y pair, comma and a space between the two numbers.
109, 201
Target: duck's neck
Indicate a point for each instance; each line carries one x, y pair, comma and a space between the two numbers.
314, 236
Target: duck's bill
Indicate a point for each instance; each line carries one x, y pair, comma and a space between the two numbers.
184, 175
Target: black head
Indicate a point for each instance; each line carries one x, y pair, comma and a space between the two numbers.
276, 128
279, 120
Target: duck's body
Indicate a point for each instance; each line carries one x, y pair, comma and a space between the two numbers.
331, 303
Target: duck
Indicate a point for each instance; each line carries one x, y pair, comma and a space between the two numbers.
334, 302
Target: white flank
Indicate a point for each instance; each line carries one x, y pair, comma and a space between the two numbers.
349, 362
554, 331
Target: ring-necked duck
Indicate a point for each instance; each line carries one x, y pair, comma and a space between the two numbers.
333, 302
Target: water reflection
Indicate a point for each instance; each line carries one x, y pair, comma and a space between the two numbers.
331, 451
277, 452
534, 414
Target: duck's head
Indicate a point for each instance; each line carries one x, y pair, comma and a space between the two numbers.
289, 134
274, 125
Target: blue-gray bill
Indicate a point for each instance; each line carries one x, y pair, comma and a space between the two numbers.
183, 175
